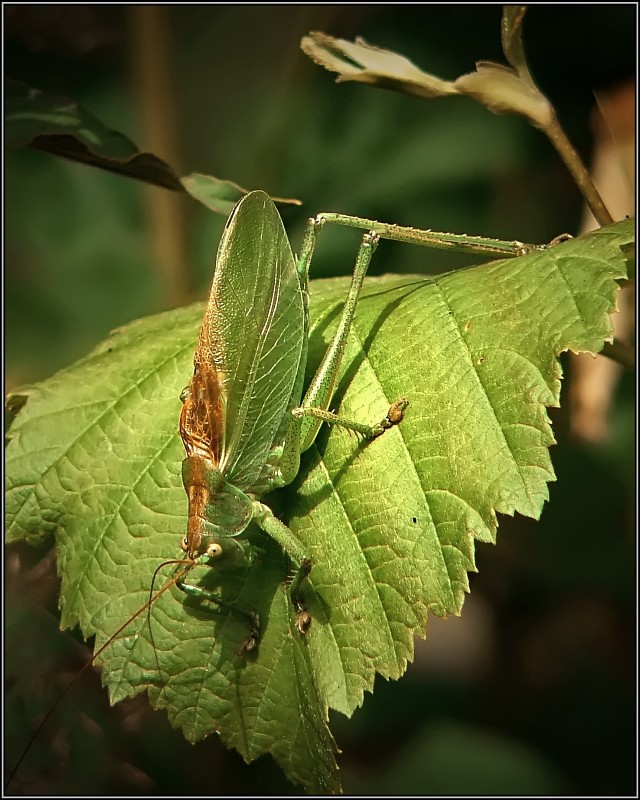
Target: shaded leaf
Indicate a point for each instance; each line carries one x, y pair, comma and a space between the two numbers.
59, 126
95, 456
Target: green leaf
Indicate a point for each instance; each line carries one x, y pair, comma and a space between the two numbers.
94, 456
221, 196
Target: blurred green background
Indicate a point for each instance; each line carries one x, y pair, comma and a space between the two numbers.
533, 689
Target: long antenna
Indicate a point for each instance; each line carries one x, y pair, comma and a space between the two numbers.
171, 582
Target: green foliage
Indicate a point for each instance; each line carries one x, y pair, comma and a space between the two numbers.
94, 457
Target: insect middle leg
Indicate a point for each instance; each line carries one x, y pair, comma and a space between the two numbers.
280, 533
394, 415
314, 409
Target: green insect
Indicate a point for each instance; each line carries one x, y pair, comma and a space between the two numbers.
245, 421
245, 418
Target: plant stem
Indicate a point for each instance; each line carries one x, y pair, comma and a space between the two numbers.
578, 171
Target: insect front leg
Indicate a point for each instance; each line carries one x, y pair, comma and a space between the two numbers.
250, 642
278, 531
215, 552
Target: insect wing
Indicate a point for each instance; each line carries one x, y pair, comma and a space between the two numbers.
252, 336
201, 418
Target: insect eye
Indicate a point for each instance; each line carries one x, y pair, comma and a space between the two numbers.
214, 550
184, 545
184, 394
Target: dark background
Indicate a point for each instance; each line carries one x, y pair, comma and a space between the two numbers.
532, 690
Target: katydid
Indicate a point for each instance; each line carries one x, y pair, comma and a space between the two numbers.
245, 419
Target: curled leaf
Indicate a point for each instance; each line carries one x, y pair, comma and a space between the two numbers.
502, 91
511, 34
60, 126
365, 63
